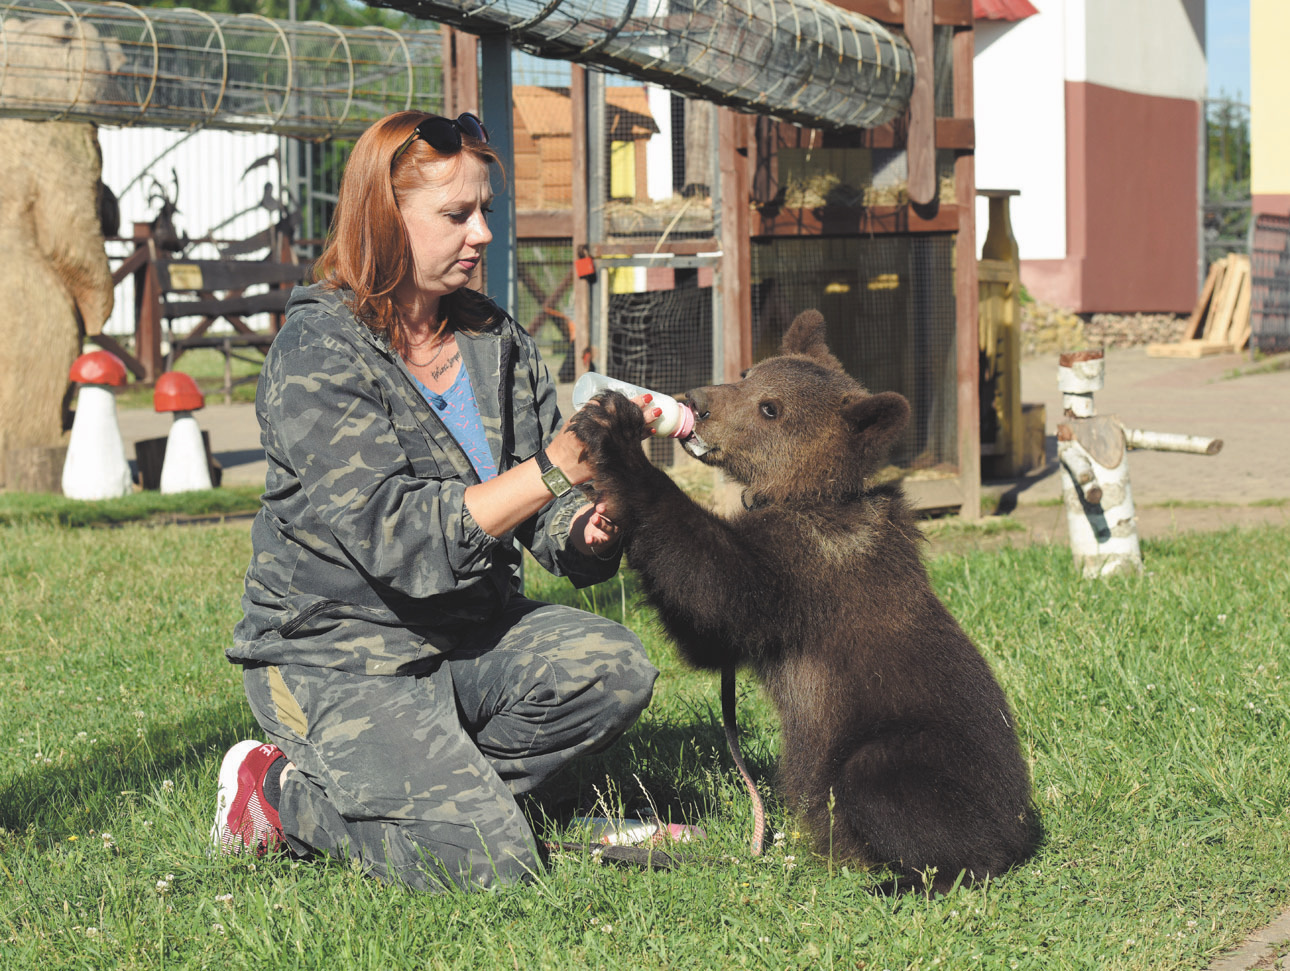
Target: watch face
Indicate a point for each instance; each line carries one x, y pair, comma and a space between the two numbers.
556, 481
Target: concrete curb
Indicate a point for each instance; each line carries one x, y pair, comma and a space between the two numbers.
1260, 949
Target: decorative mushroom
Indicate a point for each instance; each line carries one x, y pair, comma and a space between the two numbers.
96, 466
185, 466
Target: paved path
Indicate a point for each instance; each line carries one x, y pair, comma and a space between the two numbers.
234, 434
1251, 413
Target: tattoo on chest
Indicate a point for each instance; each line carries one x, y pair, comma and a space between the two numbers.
445, 367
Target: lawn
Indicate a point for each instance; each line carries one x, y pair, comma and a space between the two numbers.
205, 365
1154, 711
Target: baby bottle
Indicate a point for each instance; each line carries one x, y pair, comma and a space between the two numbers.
676, 421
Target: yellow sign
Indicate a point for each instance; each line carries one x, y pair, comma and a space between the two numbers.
185, 276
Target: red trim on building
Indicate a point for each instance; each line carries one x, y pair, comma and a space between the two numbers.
1131, 205
1276, 203
1010, 10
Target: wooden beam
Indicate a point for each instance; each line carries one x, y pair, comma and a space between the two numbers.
921, 149
849, 220
967, 354
679, 247
545, 223
461, 72
946, 13
734, 149
958, 133
582, 293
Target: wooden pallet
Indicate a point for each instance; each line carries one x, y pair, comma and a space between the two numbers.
1220, 322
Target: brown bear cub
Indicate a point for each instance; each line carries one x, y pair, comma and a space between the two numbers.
889, 712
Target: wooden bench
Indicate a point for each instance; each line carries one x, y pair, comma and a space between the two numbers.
216, 290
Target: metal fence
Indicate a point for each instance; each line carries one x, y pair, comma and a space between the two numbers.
1270, 279
1225, 215
890, 308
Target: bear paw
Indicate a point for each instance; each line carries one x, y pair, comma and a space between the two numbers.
612, 427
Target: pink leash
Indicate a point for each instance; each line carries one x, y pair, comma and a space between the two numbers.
732, 741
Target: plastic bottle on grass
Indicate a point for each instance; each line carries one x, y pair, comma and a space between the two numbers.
677, 420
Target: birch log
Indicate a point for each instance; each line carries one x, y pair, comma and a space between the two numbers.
1103, 530
1172, 442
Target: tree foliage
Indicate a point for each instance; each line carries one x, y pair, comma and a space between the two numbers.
341, 13
1227, 177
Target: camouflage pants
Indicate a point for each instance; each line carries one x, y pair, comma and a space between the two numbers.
416, 777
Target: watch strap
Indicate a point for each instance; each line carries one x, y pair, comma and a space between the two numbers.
552, 477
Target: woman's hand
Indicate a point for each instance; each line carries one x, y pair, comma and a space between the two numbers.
569, 453
593, 532
502, 503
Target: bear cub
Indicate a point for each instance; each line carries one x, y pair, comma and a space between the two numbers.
889, 712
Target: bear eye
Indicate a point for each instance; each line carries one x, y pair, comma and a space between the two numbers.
770, 409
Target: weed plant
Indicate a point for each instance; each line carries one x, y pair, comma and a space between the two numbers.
1154, 711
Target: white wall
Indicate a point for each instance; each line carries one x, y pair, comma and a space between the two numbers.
1141, 46
658, 159
1020, 108
213, 185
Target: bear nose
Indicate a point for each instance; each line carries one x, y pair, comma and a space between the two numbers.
698, 401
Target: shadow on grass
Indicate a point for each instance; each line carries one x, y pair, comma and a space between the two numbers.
62, 801
681, 770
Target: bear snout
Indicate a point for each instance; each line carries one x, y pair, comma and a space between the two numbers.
698, 402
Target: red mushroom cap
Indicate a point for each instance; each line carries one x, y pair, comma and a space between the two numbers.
176, 391
98, 367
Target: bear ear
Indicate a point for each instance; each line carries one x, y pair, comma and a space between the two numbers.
879, 418
806, 335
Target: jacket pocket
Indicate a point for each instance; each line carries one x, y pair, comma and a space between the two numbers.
306, 615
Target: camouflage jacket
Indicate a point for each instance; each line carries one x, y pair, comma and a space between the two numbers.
364, 556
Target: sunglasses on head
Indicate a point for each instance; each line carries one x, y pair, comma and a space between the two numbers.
444, 134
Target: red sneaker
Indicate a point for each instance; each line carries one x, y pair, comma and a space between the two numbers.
244, 820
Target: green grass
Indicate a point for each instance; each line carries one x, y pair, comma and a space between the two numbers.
1154, 711
18, 508
206, 366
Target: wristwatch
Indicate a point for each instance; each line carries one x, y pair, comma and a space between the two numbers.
554, 479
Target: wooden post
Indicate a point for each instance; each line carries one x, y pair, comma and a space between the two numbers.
921, 144
147, 308
965, 287
734, 136
461, 72
999, 334
582, 288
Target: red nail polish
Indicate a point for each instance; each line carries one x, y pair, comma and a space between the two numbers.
658, 412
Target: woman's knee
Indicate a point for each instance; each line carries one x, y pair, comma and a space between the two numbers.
613, 656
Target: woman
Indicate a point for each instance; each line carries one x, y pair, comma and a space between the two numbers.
409, 691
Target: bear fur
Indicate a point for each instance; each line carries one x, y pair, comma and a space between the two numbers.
889, 712
56, 278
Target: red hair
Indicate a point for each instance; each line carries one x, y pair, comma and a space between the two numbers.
367, 248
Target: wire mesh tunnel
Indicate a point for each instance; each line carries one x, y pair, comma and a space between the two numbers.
806, 61
180, 68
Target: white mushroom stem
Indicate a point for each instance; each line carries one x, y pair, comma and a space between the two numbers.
96, 466
1172, 442
185, 467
